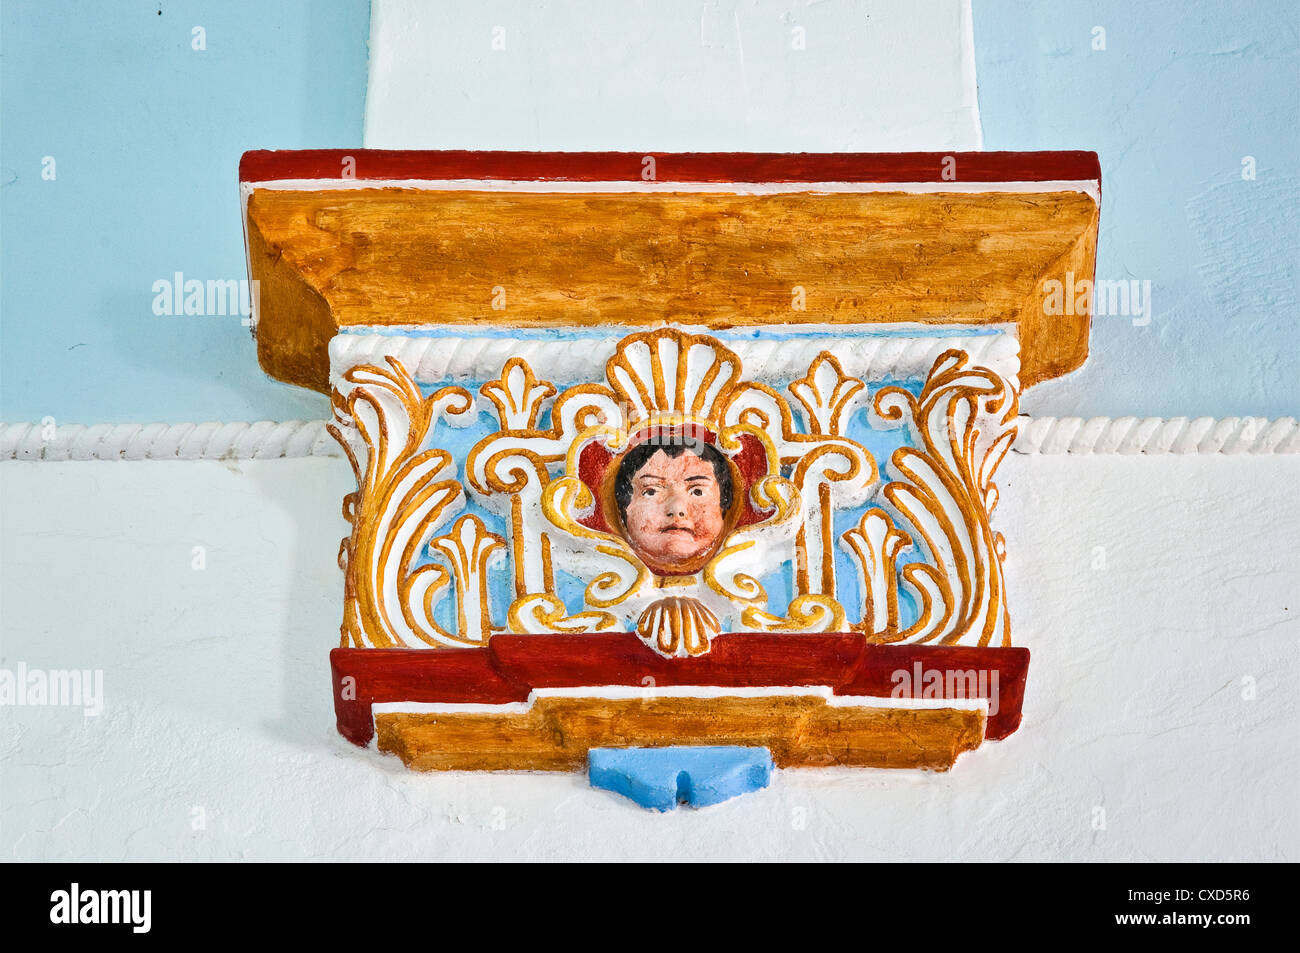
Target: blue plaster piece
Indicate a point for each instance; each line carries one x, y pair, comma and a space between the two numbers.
662, 778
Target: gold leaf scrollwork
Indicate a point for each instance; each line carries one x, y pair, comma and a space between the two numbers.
404, 495
830, 471
469, 547
510, 471
807, 613
828, 395
876, 544
563, 502
543, 613
963, 423
518, 395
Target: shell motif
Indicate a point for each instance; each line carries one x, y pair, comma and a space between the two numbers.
672, 372
677, 627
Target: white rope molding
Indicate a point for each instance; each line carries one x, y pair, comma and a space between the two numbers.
566, 361
308, 438
211, 441
1157, 435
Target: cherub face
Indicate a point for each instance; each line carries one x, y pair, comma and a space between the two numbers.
675, 514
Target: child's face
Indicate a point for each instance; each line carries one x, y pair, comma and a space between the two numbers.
675, 514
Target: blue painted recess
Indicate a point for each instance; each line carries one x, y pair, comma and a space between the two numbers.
662, 778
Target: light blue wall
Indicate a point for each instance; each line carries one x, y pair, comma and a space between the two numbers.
1182, 92
146, 134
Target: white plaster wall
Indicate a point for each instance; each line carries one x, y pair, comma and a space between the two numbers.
217, 689
673, 75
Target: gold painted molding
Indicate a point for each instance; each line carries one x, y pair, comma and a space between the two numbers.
555, 733
337, 258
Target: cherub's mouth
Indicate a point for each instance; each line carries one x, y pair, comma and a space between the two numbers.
677, 528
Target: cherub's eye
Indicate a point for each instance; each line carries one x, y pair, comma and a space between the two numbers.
648, 491
697, 491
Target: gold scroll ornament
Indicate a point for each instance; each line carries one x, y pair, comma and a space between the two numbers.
963, 424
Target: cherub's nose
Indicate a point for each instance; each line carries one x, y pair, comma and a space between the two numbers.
674, 504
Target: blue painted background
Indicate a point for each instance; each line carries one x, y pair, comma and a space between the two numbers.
1182, 92
147, 132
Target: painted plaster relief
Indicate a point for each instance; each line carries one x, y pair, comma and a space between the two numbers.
707, 465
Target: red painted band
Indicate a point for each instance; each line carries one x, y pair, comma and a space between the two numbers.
380, 164
512, 665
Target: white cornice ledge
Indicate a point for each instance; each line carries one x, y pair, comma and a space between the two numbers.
308, 438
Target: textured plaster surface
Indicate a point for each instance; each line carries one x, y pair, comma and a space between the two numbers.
1179, 99
1148, 589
